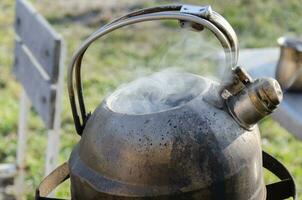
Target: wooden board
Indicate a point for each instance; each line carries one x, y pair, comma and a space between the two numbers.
37, 59
263, 63
36, 83
36, 33
38, 65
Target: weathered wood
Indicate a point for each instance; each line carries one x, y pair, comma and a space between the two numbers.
53, 144
36, 33
263, 63
36, 83
22, 147
38, 66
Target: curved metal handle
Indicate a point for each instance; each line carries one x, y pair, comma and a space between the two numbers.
203, 16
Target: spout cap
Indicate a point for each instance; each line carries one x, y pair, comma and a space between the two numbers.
257, 100
270, 93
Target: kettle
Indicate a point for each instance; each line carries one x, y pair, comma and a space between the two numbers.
207, 148
289, 67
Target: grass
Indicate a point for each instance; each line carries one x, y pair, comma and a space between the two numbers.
115, 60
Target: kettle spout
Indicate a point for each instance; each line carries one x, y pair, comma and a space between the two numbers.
258, 99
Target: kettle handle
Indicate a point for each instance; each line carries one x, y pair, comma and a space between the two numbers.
196, 15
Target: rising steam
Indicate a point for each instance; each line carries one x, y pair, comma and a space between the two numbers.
172, 87
161, 91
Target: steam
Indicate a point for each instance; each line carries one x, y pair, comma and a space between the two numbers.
173, 87
197, 55
161, 91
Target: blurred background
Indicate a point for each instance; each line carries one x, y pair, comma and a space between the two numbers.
131, 53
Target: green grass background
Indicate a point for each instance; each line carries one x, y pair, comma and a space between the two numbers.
123, 56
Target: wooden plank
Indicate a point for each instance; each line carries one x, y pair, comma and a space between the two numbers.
36, 82
36, 33
22, 147
38, 66
53, 142
263, 63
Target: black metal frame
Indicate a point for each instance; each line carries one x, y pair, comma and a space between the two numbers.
276, 191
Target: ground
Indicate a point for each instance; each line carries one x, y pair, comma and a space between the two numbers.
115, 60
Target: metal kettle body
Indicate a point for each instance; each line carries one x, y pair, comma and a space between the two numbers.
208, 148
193, 151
